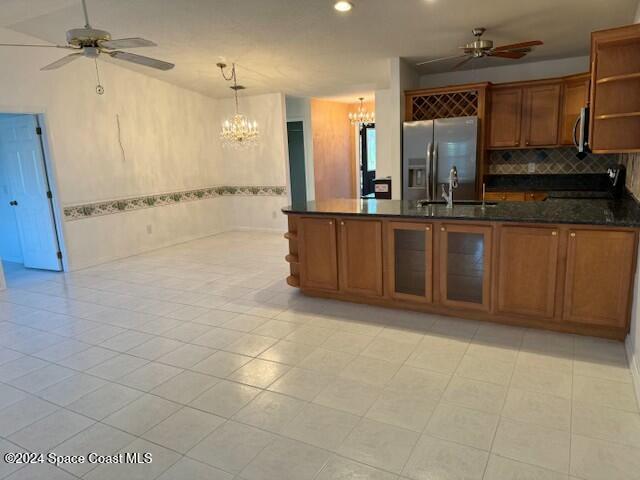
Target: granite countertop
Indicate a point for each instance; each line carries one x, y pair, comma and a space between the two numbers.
616, 213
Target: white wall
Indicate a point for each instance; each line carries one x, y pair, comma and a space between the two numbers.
389, 117
509, 73
633, 339
170, 141
265, 164
299, 109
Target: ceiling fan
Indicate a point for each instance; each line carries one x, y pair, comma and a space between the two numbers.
90, 42
480, 48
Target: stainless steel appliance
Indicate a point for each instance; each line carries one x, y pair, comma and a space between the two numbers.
581, 131
431, 148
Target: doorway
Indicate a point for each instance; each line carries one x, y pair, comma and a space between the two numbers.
297, 169
367, 159
27, 222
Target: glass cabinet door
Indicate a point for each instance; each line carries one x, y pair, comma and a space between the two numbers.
411, 261
465, 264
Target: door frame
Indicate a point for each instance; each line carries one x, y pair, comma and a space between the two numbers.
50, 172
363, 155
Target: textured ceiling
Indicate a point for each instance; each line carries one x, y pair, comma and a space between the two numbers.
304, 47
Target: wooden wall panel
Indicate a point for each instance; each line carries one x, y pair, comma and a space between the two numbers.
333, 161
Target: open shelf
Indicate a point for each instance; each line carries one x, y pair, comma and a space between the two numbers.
619, 78
292, 258
293, 281
610, 116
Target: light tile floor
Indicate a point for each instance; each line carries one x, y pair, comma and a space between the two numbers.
200, 354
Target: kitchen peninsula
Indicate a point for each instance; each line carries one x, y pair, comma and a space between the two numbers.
560, 264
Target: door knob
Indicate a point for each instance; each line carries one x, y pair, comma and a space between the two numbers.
13, 203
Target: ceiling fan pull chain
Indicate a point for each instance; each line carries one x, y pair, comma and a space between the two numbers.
99, 87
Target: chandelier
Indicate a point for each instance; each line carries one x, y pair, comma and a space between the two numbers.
239, 131
361, 116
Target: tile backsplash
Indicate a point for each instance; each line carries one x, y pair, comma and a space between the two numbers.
632, 162
550, 161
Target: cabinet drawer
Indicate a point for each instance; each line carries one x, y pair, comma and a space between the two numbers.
505, 196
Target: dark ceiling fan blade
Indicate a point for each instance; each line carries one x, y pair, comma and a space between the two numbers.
516, 46
135, 42
463, 62
439, 59
512, 55
62, 62
33, 45
141, 60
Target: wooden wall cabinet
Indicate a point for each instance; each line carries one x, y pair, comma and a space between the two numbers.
318, 254
505, 117
525, 116
615, 90
599, 276
410, 256
541, 115
360, 257
527, 271
465, 266
575, 97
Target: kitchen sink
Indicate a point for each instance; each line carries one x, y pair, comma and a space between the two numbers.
473, 203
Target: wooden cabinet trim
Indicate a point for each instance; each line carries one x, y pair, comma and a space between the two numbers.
372, 250
506, 278
308, 263
427, 228
486, 231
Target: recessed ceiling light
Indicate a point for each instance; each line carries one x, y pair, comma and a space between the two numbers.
343, 6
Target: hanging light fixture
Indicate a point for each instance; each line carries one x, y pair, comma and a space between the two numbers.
239, 131
362, 116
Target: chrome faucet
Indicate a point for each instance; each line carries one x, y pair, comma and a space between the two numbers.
453, 183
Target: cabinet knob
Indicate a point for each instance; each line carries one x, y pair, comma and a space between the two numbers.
442, 229
573, 234
427, 228
330, 222
554, 234
342, 223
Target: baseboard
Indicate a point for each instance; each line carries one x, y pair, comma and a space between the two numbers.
251, 229
634, 366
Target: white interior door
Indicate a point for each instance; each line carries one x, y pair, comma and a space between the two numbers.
24, 164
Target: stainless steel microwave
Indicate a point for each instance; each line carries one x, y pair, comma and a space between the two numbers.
581, 131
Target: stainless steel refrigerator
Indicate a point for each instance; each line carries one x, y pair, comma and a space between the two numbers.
430, 149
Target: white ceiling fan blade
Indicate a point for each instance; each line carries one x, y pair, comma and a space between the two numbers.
62, 62
439, 59
127, 43
141, 60
34, 45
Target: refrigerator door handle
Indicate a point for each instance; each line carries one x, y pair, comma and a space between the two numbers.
434, 171
428, 159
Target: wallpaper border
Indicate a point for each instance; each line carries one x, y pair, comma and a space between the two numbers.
110, 207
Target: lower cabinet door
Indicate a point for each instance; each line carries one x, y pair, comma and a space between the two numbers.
361, 257
410, 257
318, 254
465, 266
527, 270
599, 277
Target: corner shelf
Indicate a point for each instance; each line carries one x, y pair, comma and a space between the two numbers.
610, 116
293, 281
618, 78
292, 258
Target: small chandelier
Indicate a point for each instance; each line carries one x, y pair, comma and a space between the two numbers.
361, 116
239, 131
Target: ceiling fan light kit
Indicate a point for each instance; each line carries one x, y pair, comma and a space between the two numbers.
90, 42
481, 47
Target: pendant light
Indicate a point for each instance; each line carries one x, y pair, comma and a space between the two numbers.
238, 131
